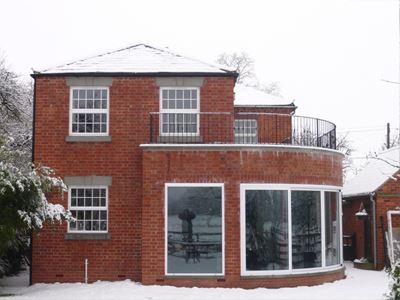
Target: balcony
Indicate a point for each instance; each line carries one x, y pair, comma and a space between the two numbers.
241, 128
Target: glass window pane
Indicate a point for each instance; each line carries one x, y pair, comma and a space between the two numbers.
90, 94
82, 94
75, 94
186, 94
164, 94
97, 94
179, 94
103, 94
332, 230
267, 228
194, 230
306, 229
164, 104
194, 94
171, 94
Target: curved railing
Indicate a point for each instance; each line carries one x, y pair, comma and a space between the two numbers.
241, 128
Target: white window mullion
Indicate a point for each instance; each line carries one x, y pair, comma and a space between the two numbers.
323, 237
340, 229
290, 249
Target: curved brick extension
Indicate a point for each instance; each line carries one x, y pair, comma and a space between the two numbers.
230, 165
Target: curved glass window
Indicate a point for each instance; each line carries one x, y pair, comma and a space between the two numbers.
289, 229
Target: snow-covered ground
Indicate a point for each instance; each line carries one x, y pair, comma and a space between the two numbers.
359, 284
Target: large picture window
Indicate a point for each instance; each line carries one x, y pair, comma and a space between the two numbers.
194, 235
306, 229
89, 111
289, 229
266, 230
332, 228
179, 111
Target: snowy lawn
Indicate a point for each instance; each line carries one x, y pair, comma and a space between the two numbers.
359, 284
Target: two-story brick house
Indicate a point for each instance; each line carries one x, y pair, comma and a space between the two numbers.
178, 176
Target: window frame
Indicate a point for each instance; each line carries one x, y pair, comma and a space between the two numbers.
220, 185
179, 111
290, 187
88, 111
84, 208
242, 136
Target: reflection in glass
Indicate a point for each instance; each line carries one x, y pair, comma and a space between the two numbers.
332, 229
306, 229
266, 230
194, 230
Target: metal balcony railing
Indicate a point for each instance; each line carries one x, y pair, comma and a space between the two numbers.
240, 128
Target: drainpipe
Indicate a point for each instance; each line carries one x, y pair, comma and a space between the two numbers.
371, 198
86, 270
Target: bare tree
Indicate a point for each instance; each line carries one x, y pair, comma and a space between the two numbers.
344, 145
15, 115
244, 65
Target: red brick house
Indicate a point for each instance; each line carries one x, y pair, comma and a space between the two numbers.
376, 190
177, 175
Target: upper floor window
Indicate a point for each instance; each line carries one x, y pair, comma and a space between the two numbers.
179, 110
89, 111
245, 131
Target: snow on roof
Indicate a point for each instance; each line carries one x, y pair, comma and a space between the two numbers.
250, 96
376, 173
140, 58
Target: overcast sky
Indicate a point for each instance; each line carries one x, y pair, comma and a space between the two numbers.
330, 56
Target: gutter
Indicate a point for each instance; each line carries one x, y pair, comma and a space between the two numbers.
371, 198
234, 74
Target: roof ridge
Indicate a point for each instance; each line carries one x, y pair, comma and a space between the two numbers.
162, 49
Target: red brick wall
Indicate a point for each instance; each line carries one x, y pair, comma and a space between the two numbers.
275, 129
352, 225
131, 99
231, 167
387, 198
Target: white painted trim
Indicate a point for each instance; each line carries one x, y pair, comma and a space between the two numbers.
323, 233
250, 146
167, 185
89, 110
340, 213
179, 111
289, 188
91, 208
390, 231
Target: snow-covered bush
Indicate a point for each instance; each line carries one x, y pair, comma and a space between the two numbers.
394, 273
24, 208
23, 187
